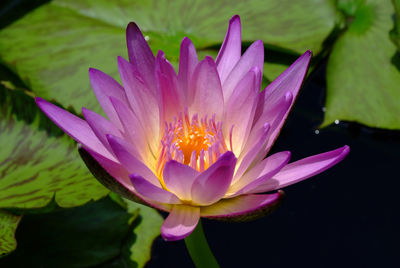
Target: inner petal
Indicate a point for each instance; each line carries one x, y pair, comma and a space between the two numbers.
196, 142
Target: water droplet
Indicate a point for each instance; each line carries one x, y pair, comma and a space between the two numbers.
146, 37
324, 109
337, 121
316, 131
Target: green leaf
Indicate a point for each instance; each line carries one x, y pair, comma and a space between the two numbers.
363, 75
147, 229
85, 236
8, 225
34, 166
52, 47
395, 32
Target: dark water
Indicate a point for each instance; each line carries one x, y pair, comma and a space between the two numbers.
347, 216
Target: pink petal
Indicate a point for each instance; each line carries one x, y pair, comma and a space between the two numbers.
253, 57
240, 206
187, 63
140, 54
152, 192
212, 184
75, 127
104, 87
170, 97
205, 95
180, 222
259, 174
100, 126
247, 157
240, 109
179, 179
231, 49
142, 100
126, 156
303, 169
255, 150
132, 128
290, 80
120, 178
115, 169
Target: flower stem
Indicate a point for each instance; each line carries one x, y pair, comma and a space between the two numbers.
199, 250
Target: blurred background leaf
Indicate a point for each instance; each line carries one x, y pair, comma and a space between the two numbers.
149, 225
363, 78
85, 236
53, 58
34, 165
8, 225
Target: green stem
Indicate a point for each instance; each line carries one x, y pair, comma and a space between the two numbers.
199, 250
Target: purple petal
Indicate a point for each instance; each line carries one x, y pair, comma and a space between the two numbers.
253, 57
104, 87
100, 126
170, 97
255, 150
231, 49
260, 173
240, 109
303, 169
179, 179
240, 206
115, 169
126, 156
187, 63
152, 192
121, 177
290, 80
247, 157
132, 128
212, 184
180, 222
75, 127
206, 90
140, 54
142, 100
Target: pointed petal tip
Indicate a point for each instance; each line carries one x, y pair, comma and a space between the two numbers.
132, 26
258, 43
121, 60
186, 40
346, 150
85, 111
39, 100
208, 59
235, 18
306, 56
160, 54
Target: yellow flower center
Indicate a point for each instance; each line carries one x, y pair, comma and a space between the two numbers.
194, 142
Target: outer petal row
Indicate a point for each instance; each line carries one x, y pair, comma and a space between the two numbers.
303, 169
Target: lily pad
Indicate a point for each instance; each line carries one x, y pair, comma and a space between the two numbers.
147, 229
85, 236
52, 47
363, 75
35, 166
8, 225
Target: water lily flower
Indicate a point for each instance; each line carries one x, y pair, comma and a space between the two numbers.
193, 143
